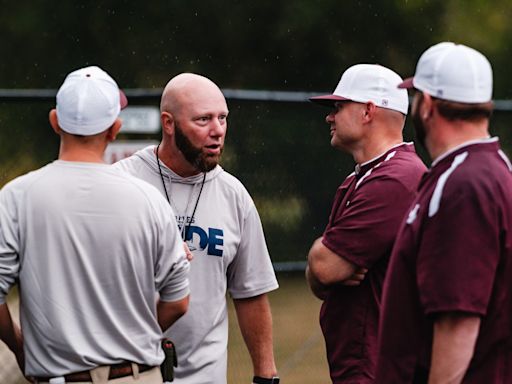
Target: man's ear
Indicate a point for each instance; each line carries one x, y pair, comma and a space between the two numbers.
54, 122
426, 108
167, 120
369, 112
114, 130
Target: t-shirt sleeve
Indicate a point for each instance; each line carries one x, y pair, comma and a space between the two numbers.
459, 252
9, 244
251, 272
171, 265
366, 229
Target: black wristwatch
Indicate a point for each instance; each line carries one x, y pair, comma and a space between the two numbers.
263, 380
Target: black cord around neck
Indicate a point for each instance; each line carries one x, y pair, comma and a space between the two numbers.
161, 175
185, 232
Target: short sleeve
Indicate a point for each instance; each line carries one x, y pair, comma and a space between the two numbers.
171, 264
459, 252
365, 230
251, 272
9, 243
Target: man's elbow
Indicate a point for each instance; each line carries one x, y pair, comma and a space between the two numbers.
322, 274
182, 307
328, 273
318, 265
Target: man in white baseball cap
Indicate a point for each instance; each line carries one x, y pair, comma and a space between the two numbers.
346, 266
445, 307
90, 245
89, 102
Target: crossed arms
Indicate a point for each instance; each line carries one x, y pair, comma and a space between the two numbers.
326, 268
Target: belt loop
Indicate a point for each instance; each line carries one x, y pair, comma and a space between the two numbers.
99, 375
135, 371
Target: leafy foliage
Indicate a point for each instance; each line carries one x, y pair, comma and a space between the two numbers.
280, 150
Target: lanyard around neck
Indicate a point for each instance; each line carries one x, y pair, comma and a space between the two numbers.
186, 227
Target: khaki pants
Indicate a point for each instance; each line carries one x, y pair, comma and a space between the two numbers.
100, 376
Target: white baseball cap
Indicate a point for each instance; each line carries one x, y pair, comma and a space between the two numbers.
88, 102
369, 82
453, 72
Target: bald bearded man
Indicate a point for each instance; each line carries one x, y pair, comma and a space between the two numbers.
219, 222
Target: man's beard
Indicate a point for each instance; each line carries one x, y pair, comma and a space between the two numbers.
419, 126
194, 155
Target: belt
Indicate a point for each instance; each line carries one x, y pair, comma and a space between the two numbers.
116, 371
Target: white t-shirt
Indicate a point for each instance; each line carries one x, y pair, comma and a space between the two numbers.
91, 246
230, 254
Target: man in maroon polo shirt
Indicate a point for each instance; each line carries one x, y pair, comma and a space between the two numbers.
447, 301
367, 119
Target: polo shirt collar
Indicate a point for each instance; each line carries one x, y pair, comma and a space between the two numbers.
362, 168
453, 150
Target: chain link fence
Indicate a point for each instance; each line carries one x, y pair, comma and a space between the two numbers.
278, 146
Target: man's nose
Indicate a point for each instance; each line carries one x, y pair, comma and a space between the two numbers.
218, 127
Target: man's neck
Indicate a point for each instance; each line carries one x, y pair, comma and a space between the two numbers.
446, 136
374, 149
82, 155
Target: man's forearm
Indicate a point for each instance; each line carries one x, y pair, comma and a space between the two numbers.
10, 334
170, 311
452, 347
255, 320
326, 266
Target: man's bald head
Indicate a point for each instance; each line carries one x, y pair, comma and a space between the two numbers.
193, 112
188, 89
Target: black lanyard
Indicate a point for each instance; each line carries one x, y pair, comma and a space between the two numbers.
185, 232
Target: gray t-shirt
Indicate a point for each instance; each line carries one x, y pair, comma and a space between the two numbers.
230, 254
91, 246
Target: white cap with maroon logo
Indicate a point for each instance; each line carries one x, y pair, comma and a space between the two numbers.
364, 83
453, 72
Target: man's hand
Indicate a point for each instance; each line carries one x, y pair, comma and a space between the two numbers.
356, 278
189, 254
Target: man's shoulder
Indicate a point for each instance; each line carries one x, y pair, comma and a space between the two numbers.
475, 173
231, 182
230, 188
136, 163
24, 181
404, 167
139, 184
405, 161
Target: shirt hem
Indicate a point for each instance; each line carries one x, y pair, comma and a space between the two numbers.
474, 311
180, 295
254, 292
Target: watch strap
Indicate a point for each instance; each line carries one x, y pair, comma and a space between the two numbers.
263, 380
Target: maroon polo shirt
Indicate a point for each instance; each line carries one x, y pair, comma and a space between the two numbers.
453, 254
367, 211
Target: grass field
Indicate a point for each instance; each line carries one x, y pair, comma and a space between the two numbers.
298, 343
